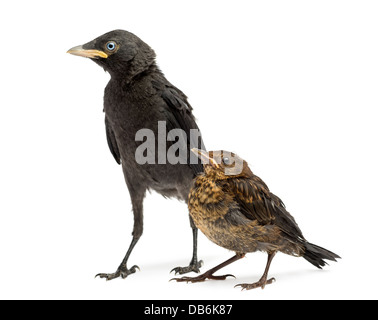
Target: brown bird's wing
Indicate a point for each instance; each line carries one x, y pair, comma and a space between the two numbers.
252, 198
112, 143
256, 202
179, 115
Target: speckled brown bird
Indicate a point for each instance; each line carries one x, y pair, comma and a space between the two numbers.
236, 210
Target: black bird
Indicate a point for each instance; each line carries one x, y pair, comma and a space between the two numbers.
138, 96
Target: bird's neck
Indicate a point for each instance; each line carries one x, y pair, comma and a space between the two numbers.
131, 75
148, 70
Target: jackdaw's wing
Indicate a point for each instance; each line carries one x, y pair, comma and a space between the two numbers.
178, 113
112, 143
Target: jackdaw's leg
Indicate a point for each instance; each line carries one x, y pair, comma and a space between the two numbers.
194, 264
137, 194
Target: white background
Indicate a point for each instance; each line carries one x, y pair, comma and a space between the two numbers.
291, 86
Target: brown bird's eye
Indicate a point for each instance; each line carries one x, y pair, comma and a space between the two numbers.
226, 161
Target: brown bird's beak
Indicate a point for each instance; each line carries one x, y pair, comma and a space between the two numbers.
87, 53
205, 157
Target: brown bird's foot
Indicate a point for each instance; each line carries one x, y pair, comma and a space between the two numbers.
193, 267
207, 275
122, 272
210, 273
263, 280
259, 284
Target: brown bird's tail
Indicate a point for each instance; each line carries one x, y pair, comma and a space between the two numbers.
316, 255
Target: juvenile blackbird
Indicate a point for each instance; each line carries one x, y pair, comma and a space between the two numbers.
235, 209
138, 96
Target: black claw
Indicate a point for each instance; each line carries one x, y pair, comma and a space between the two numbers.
175, 270
133, 269
109, 276
122, 272
101, 275
191, 268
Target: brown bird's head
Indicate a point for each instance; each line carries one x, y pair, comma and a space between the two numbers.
222, 164
119, 52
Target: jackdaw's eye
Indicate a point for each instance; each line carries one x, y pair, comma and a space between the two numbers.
226, 161
111, 46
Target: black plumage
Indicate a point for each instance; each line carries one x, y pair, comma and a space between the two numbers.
138, 96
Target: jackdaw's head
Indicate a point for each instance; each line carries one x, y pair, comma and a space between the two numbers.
119, 52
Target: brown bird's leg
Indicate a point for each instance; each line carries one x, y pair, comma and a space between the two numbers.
209, 274
263, 281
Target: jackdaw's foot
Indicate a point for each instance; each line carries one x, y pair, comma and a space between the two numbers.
194, 266
122, 271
